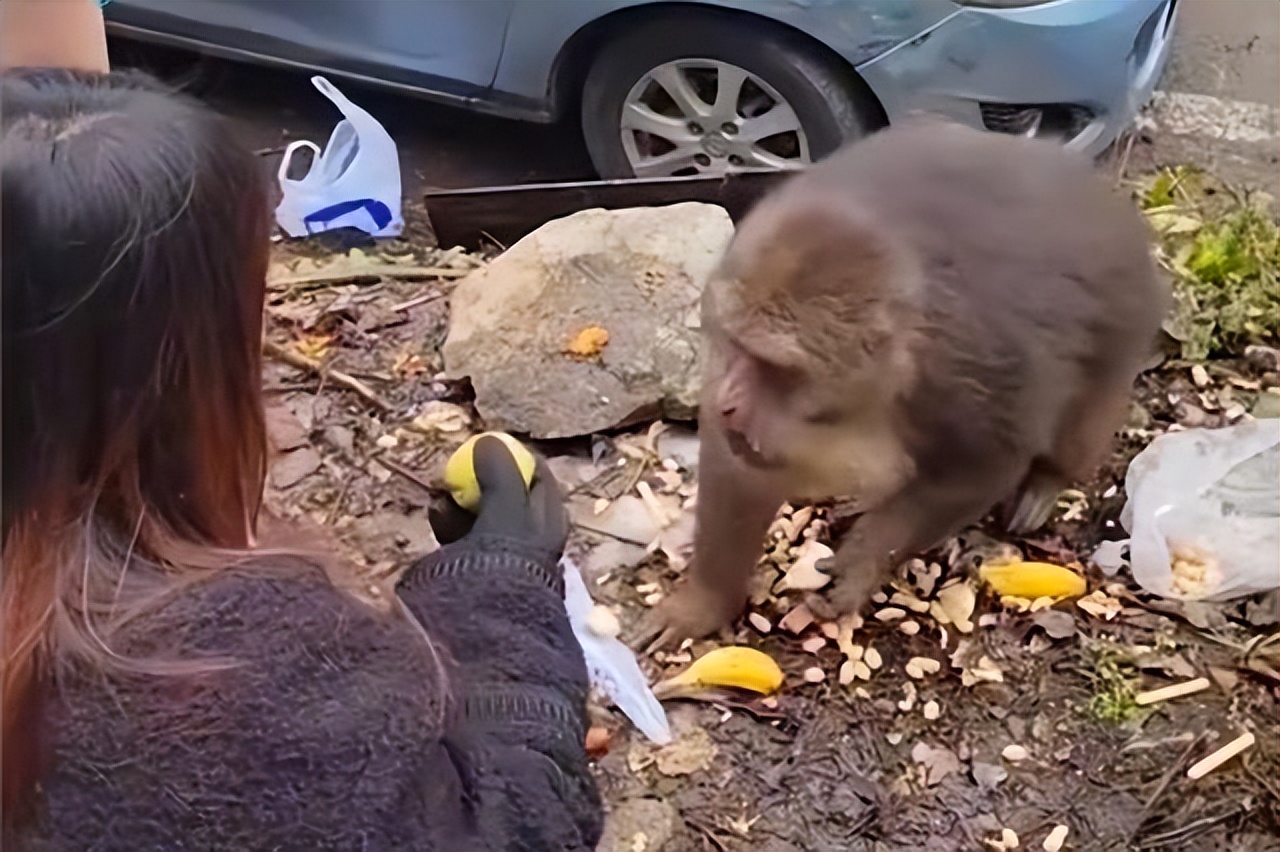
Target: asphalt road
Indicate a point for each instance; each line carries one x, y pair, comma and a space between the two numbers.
1218, 106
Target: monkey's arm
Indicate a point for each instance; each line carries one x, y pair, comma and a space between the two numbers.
733, 514
917, 518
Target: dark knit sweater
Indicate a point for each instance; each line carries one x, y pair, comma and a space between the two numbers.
332, 732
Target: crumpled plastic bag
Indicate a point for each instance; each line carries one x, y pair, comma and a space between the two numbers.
1203, 513
353, 183
611, 665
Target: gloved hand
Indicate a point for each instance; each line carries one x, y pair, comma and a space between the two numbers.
534, 518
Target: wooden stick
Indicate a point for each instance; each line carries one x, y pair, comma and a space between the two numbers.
302, 362
400, 470
419, 300
367, 275
1176, 691
1207, 764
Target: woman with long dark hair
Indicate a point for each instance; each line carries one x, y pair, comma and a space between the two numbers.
170, 681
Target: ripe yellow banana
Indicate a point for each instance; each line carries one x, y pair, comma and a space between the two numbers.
735, 666
460, 471
1033, 580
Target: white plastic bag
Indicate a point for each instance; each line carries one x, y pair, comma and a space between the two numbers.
1203, 512
353, 183
612, 666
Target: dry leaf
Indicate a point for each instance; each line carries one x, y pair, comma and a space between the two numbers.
1100, 605
958, 601
937, 763
438, 416
588, 343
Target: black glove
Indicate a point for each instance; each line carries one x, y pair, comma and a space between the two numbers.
532, 519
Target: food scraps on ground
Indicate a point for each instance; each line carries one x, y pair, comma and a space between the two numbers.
1033, 580
1212, 761
1007, 840
1056, 838
1014, 753
601, 621
734, 666
1177, 690
588, 343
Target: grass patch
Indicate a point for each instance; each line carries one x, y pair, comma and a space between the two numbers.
1222, 248
1114, 675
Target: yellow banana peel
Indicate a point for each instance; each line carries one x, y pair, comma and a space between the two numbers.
735, 666
1033, 580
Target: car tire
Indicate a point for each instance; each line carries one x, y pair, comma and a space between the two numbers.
832, 103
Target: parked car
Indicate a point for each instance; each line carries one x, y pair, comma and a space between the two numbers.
713, 86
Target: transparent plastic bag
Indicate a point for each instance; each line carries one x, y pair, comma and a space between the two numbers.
1203, 512
353, 183
612, 666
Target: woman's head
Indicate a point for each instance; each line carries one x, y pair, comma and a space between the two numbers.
134, 238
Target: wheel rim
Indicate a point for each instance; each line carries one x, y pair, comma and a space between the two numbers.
706, 117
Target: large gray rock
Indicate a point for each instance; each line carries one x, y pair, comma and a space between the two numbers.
636, 273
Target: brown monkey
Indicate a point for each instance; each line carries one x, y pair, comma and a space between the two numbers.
929, 322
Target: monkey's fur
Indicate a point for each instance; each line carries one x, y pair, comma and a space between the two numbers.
931, 321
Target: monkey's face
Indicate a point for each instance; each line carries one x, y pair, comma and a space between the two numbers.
776, 410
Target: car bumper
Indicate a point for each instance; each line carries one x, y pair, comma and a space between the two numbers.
1079, 70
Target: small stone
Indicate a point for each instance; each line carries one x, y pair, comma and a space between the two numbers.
872, 658
813, 644
759, 622
932, 710
911, 628
1014, 753
814, 674
891, 613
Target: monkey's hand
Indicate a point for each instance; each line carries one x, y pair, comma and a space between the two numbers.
691, 611
858, 575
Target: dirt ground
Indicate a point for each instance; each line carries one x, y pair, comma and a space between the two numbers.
821, 766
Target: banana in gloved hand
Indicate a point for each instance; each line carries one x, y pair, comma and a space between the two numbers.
460, 472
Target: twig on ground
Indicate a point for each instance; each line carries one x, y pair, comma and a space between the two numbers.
369, 275
400, 470
302, 362
419, 300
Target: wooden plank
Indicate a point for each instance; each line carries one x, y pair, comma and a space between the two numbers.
504, 214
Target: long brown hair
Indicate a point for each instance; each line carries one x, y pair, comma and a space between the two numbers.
134, 231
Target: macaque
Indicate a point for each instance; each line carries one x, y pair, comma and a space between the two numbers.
932, 323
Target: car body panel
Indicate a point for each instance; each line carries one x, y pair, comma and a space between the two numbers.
448, 48
1079, 52
502, 56
856, 30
